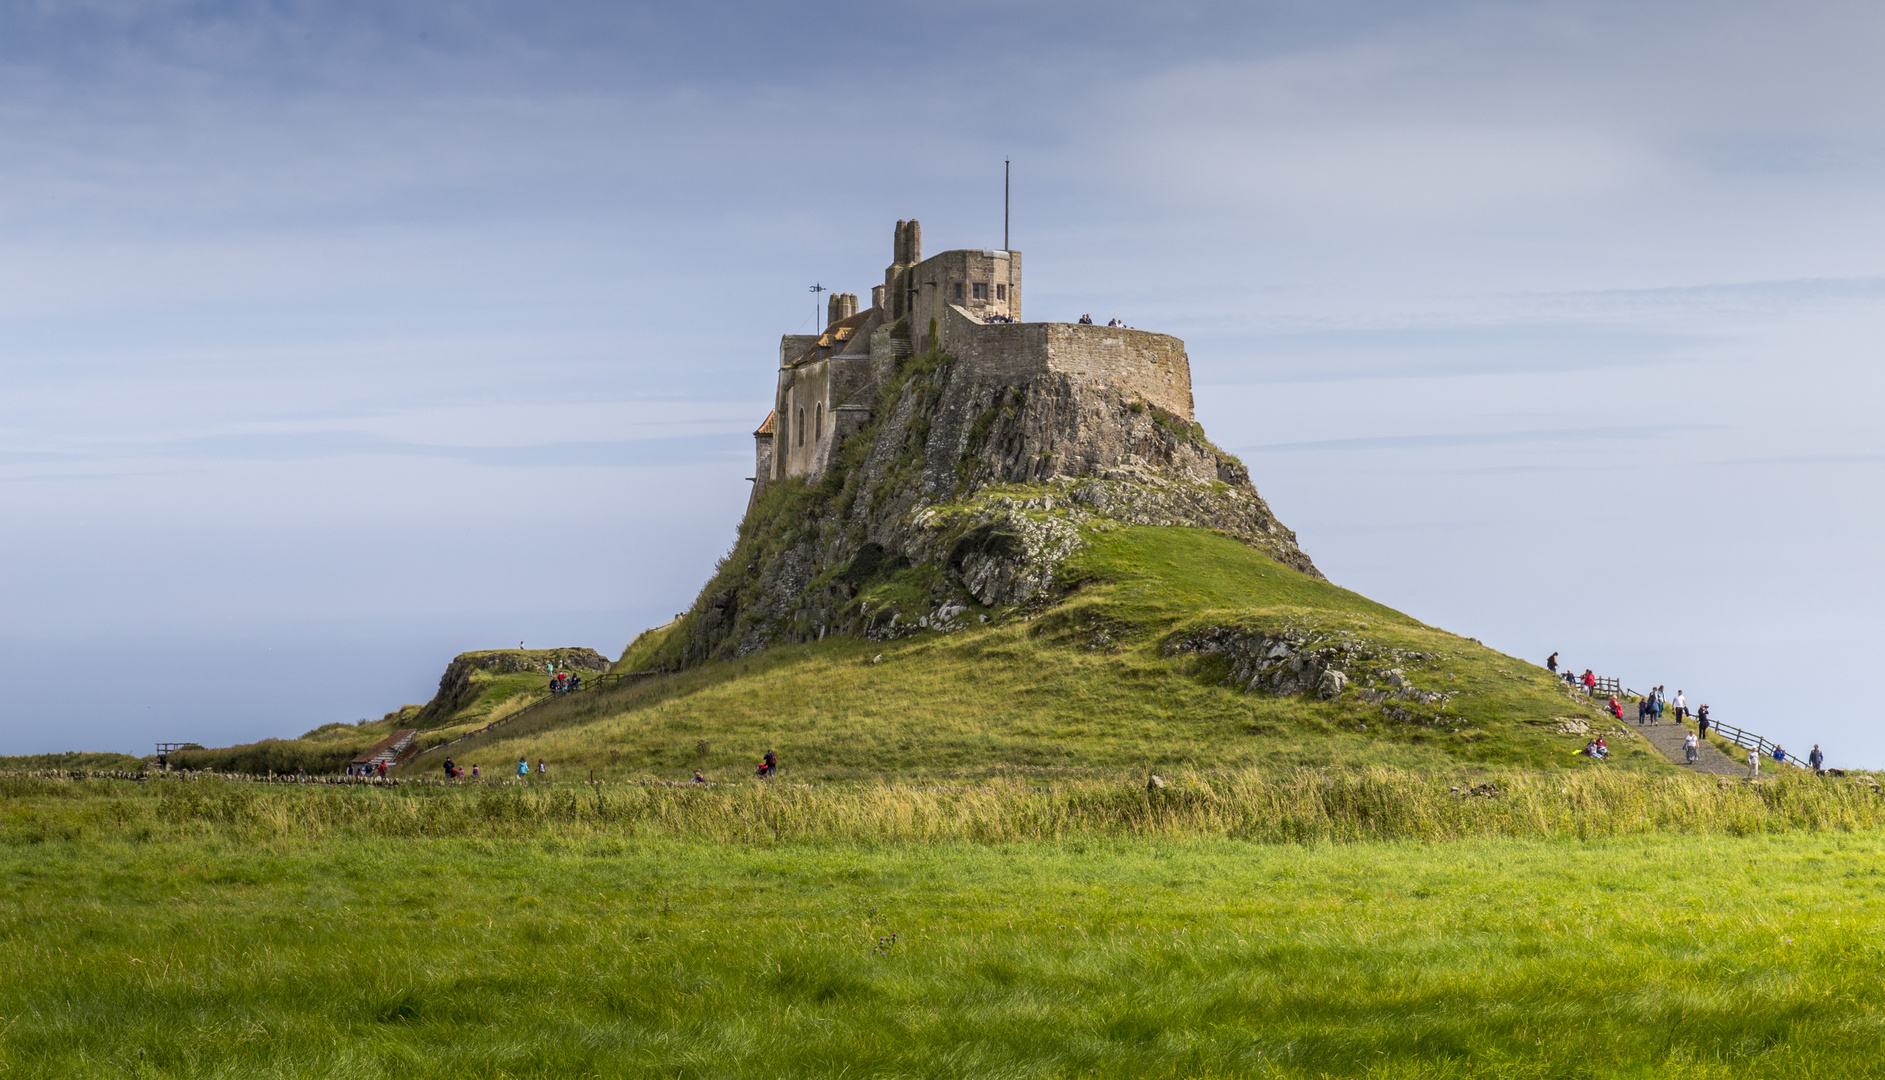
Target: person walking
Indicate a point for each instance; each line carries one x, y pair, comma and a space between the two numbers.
1701, 720
1590, 681
1691, 747
523, 768
1682, 707
543, 771
1551, 663
1754, 762
1816, 759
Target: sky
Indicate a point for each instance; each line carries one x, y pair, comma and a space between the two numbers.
338, 338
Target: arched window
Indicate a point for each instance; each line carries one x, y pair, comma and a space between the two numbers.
818, 422
801, 427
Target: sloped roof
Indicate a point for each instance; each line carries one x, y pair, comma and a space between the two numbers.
837, 333
766, 428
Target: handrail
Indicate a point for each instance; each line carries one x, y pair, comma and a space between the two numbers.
1748, 740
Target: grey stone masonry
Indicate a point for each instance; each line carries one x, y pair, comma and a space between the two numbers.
964, 303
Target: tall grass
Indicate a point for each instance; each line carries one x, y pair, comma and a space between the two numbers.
1302, 807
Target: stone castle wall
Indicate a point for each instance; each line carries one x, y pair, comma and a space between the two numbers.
1132, 363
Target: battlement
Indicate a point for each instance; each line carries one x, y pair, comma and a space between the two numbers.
966, 303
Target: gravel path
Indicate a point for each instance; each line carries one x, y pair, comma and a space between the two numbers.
1668, 739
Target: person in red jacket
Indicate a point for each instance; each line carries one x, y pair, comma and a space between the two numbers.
1616, 709
1590, 681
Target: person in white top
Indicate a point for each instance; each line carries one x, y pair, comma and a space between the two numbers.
1754, 762
1682, 707
1691, 747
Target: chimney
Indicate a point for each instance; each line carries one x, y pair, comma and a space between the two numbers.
841, 306
877, 297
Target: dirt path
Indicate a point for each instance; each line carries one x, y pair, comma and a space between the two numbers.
1668, 737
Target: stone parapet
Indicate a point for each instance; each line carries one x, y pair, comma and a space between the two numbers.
1134, 363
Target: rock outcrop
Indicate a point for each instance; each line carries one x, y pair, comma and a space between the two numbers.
456, 689
962, 495
1287, 662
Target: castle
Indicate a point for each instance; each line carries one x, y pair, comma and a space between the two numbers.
966, 304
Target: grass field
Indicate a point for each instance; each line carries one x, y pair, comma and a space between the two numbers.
203, 929
1087, 687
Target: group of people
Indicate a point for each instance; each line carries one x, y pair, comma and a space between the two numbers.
998, 318
376, 768
1087, 320
1588, 680
565, 682
455, 771
1650, 707
1649, 710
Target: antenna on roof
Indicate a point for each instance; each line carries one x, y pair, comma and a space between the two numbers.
816, 289
1004, 204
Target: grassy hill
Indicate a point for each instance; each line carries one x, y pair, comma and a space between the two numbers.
477, 688
1122, 673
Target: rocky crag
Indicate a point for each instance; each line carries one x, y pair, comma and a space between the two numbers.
962, 499
458, 689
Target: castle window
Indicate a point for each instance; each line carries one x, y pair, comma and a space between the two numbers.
801, 427
981, 290
1001, 292
818, 422
958, 290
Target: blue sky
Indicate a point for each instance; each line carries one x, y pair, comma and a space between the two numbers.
337, 339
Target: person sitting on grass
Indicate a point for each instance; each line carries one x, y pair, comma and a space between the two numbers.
1616, 709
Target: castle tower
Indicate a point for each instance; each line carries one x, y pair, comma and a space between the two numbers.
906, 251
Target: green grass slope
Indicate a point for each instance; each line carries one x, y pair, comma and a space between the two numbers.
1089, 686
